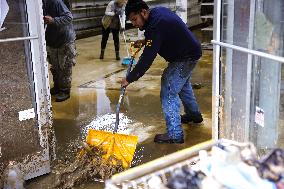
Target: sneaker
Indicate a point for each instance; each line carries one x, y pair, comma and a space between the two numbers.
189, 118
61, 96
164, 138
54, 91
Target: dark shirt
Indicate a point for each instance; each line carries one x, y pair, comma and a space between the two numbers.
167, 35
61, 31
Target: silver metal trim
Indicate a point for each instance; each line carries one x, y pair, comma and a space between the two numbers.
216, 70
18, 39
249, 51
226, 89
249, 70
39, 164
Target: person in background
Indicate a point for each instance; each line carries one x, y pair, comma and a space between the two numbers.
113, 21
167, 35
61, 50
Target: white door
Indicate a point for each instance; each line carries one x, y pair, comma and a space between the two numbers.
25, 117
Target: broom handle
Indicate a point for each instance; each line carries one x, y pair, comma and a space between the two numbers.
123, 33
121, 96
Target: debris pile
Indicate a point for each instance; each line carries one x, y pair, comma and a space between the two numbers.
88, 165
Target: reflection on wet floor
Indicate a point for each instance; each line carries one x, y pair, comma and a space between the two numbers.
94, 96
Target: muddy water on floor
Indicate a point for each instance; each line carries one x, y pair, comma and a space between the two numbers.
92, 105
141, 115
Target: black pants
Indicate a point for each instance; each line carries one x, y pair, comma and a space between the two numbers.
115, 35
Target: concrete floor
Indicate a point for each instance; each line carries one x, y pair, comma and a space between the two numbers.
94, 95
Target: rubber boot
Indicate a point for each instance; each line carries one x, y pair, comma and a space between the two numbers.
62, 96
117, 55
54, 91
102, 54
164, 138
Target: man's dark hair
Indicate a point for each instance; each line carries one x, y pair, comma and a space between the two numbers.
135, 6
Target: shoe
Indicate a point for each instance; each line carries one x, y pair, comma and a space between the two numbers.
190, 118
164, 138
62, 96
54, 91
196, 85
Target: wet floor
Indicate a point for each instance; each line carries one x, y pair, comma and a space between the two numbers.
94, 95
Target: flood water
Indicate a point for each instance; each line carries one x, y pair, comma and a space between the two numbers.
94, 95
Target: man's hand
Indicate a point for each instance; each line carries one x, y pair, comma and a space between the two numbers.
48, 20
124, 82
139, 43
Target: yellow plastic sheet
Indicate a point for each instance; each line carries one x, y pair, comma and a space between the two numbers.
121, 146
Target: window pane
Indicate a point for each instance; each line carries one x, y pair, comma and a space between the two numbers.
252, 101
17, 138
235, 22
261, 30
16, 21
268, 26
233, 94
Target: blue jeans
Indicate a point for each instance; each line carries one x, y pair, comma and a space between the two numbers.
175, 84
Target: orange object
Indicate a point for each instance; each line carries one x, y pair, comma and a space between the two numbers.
121, 146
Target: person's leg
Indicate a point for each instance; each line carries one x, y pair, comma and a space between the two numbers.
115, 35
192, 112
105, 35
67, 61
171, 84
52, 57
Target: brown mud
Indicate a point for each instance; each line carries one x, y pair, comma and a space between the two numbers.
87, 166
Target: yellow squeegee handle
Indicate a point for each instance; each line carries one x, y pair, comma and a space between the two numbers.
122, 91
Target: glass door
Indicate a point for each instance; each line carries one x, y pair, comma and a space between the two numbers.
248, 71
25, 127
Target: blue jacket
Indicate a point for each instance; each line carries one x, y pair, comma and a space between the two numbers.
167, 35
61, 31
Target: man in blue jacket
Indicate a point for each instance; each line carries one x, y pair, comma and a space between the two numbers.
167, 35
60, 40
